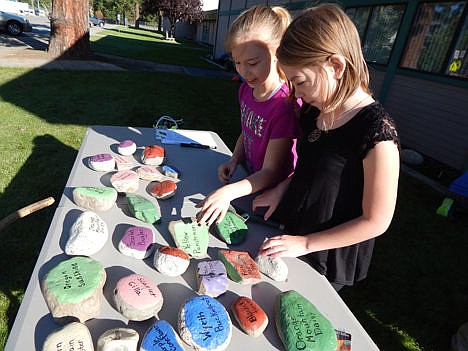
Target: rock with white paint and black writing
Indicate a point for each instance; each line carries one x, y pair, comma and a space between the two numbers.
126, 181
212, 278
301, 326
126, 147
161, 337
240, 267
88, 235
122, 163
171, 261
153, 155
232, 229
249, 315
73, 289
137, 297
73, 336
102, 162
142, 208
95, 198
204, 324
273, 267
190, 236
118, 339
137, 242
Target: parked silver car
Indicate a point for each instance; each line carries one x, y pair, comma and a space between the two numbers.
14, 24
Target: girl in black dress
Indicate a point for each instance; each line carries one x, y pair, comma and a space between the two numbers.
343, 192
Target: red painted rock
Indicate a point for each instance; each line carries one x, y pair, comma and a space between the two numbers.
171, 261
153, 155
240, 266
164, 189
250, 316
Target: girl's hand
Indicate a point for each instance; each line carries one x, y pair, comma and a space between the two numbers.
285, 246
226, 171
214, 206
271, 198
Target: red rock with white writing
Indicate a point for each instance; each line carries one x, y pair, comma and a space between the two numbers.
250, 316
164, 190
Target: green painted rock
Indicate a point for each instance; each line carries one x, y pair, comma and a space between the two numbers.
143, 209
301, 326
232, 229
190, 237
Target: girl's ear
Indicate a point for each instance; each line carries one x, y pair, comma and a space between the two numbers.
338, 64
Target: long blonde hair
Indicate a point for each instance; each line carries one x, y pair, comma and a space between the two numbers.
314, 36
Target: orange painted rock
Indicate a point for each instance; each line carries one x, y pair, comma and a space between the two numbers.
171, 261
164, 189
153, 155
250, 316
240, 267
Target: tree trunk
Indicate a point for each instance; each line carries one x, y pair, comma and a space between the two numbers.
137, 15
69, 31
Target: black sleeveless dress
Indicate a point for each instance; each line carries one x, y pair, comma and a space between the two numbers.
327, 187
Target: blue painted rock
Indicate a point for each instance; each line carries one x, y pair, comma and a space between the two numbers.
164, 190
137, 298
122, 162
190, 237
142, 208
153, 155
161, 337
204, 324
73, 289
88, 235
250, 316
118, 339
240, 267
273, 267
171, 261
171, 171
149, 173
126, 148
73, 336
137, 242
212, 278
301, 326
125, 181
232, 229
102, 162
95, 198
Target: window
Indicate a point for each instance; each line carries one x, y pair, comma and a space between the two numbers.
378, 28
433, 43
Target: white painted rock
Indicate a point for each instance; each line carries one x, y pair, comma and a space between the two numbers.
149, 173
273, 267
125, 181
171, 261
95, 198
137, 242
73, 289
118, 339
88, 235
126, 148
73, 336
102, 162
137, 298
122, 162
212, 278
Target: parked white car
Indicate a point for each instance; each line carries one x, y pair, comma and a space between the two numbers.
14, 24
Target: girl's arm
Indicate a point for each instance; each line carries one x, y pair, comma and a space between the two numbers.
271, 198
381, 170
215, 206
226, 170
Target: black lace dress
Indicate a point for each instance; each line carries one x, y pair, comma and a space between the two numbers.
327, 187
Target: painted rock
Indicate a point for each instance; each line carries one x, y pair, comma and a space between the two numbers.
126, 148
142, 208
171, 171
88, 235
171, 261
190, 237
164, 189
102, 162
137, 242
250, 316
301, 326
73, 336
232, 229
118, 339
240, 267
153, 155
212, 278
125, 181
73, 289
161, 337
204, 324
95, 198
149, 173
122, 162
273, 267
137, 298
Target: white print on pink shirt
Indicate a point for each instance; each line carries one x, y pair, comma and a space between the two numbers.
251, 120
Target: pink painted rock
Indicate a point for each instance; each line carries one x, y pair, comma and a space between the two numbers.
137, 298
153, 155
240, 267
149, 173
125, 181
171, 261
164, 189
250, 316
122, 162
137, 242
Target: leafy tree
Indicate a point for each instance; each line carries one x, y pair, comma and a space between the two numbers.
175, 10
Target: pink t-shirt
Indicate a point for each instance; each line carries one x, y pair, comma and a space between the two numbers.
262, 121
